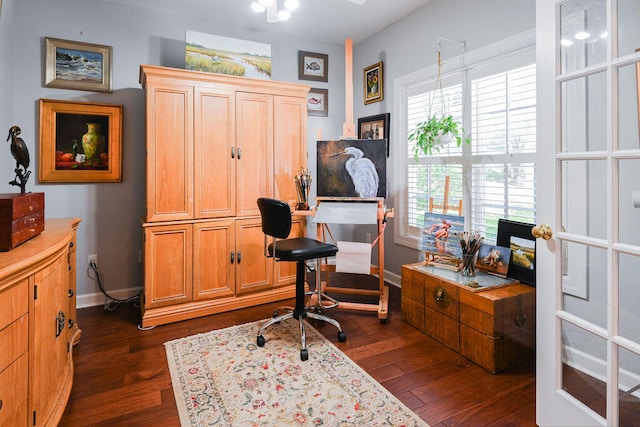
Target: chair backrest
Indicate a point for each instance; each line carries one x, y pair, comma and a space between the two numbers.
276, 217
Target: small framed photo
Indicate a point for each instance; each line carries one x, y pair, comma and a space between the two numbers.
517, 237
318, 102
373, 90
77, 65
313, 66
375, 127
80, 142
494, 259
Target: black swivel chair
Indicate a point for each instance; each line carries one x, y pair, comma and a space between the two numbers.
276, 222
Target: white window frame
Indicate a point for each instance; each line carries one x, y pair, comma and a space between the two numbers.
403, 235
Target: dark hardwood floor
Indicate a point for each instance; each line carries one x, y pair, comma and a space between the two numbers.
122, 377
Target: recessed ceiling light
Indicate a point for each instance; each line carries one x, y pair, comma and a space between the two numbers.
604, 34
582, 35
566, 42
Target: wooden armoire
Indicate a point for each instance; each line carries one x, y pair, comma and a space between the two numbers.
215, 144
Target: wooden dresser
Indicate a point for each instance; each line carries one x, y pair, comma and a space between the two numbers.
493, 326
38, 326
215, 144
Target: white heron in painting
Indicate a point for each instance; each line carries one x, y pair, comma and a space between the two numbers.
362, 171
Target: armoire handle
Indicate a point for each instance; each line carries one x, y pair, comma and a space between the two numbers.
233, 152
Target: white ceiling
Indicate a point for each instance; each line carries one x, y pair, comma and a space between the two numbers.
330, 21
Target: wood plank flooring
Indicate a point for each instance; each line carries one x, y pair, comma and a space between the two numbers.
122, 377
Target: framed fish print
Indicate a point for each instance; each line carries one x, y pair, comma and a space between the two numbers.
313, 66
318, 102
77, 65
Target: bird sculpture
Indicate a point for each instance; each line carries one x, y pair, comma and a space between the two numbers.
19, 152
362, 171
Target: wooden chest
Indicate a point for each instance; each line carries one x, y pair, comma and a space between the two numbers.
494, 328
21, 218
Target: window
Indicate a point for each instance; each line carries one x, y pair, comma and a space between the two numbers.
492, 93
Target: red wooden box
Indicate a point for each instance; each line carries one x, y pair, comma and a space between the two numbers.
21, 218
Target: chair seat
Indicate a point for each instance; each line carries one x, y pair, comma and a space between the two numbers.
302, 248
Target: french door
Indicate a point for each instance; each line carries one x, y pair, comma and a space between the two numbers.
588, 191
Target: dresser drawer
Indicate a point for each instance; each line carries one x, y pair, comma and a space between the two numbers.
21, 218
13, 393
15, 339
14, 302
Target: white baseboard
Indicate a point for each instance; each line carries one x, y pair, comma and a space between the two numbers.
98, 298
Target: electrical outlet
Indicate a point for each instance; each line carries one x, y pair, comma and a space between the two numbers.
94, 259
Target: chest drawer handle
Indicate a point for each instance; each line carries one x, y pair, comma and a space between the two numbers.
520, 321
440, 297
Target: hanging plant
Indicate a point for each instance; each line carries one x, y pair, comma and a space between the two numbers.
432, 134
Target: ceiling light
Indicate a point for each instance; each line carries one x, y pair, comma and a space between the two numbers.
566, 42
291, 4
283, 15
604, 34
258, 7
582, 35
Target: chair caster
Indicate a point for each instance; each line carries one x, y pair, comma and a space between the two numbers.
342, 337
260, 341
304, 354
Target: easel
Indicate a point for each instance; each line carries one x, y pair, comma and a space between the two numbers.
445, 206
382, 307
432, 259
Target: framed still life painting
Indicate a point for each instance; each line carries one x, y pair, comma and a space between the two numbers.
80, 142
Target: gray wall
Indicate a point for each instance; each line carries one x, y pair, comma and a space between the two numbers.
111, 213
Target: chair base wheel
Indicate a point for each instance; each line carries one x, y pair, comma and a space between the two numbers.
304, 354
260, 341
342, 337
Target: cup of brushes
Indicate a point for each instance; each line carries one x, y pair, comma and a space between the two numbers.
303, 186
470, 244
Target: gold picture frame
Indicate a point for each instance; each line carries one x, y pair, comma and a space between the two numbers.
69, 153
373, 83
77, 65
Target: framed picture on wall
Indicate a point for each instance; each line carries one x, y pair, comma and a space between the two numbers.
318, 102
375, 127
77, 65
313, 66
80, 142
373, 90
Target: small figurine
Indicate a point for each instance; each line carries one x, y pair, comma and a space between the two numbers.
19, 152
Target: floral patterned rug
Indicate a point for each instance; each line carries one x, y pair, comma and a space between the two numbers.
222, 378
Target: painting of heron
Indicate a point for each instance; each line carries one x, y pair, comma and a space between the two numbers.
352, 168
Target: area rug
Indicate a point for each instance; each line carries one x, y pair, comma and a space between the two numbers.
222, 378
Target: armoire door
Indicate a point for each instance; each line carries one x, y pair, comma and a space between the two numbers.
254, 151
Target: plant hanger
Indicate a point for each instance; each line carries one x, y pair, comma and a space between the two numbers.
435, 132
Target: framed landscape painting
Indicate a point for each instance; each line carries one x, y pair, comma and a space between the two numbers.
517, 237
77, 65
225, 55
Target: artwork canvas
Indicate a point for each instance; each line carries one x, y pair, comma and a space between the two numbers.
77, 65
494, 259
226, 55
517, 237
440, 234
352, 168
